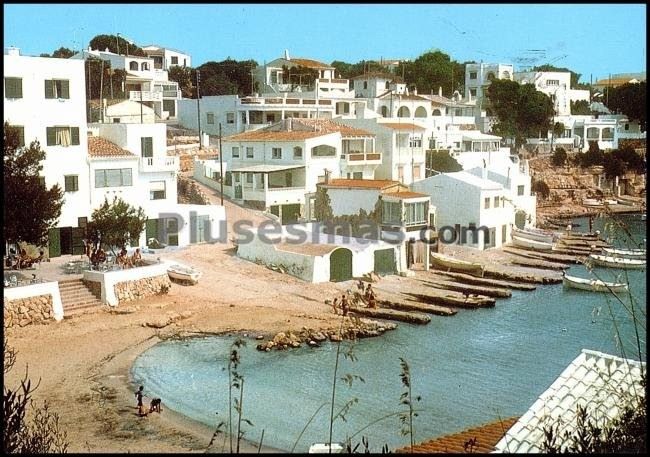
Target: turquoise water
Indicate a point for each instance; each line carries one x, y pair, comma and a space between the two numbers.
472, 368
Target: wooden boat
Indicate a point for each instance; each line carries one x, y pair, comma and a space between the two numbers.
446, 263
616, 262
594, 285
534, 234
183, 273
531, 244
626, 253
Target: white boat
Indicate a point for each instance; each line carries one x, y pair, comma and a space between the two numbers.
594, 285
324, 448
626, 253
591, 202
531, 244
449, 263
533, 234
183, 273
616, 262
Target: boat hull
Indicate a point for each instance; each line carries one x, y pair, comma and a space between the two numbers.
184, 274
447, 263
535, 236
617, 262
593, 285
531, 244
638, 254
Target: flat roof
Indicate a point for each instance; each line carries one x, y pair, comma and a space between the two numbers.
474, 180
360, 183
405, 195
265, 168
478, 135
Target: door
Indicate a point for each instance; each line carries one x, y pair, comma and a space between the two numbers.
66, 240
288, 178
238, 191
340, 265
151, 229
172, 232
520, 219
385, 262
290, 213
54, 242
78, 234
490, 241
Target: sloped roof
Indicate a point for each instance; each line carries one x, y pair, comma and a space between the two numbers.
401, 125
486, 437
405, 195
378, 184
270, 135
603, 383
309, 63
329, 126
101, 147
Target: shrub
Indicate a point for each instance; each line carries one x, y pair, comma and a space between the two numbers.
559, 157
541, 188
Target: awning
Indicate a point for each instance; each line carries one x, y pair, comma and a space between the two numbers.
264, 168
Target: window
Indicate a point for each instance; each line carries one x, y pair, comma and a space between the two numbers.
170, 107
235, 152
62, 136
228, 178
593, 133
472, 75
387, 85
116, 120
210, 117
520, 190
323, 150
276, 153
415, 213
13, 87
237, 178
297, 152
391, 213
472, 92
627, 127
487, 202
496, 202
146, 146
20, 130
71, 183
400, 173
113, 177
552, 82
133, 65
416, 172
249, 152
57, 88
608, 133
384, 111
365, 84
415, 142
157, 190
357, 175
249, 178
230, 118
174, 60
144, 66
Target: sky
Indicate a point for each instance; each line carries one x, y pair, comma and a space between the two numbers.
591, 39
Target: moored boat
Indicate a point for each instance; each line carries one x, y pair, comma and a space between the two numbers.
449, 263
531, 244
533, 234
594, 285
626, 253
616, 262
183, 273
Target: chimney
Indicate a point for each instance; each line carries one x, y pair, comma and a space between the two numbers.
439, 91
286, 54
13, 51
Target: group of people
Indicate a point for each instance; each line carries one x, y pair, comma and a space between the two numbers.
23, 260
367, 294
154, 405
125, 261
94, 251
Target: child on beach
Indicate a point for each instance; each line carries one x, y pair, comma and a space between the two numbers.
139, 394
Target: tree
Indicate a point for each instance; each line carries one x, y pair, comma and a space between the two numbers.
521, 110
628, 99
348, 70
41, 434
559, 157
228, 77
30, 209
443, 162
594, 156
118, 223
63, 53
633, 161
432, 70
580, 107
113, 42
184, 77
322, 206
541, 188
299, 76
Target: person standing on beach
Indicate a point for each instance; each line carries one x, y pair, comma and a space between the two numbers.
335, 303
344, 305
139, 394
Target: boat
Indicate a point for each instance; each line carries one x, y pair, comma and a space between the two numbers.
626, 253
183, 273
591, 202
616, 262
444, 262
534, 234
531, 244
594, 285
324, 448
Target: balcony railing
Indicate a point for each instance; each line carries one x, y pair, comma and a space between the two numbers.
145, 96
158, 164
281, 102
360, 158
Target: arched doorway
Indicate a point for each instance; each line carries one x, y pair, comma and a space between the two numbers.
340, 265
520, 219
420, 112
403, 112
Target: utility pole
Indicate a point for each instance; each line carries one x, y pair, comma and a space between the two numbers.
198, 107
220, 164
101, 92
141, 121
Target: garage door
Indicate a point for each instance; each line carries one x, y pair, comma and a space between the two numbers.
341, 265
385, 262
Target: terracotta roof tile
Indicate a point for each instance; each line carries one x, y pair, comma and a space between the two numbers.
299, 129
267, 135
101, 147
406, 194
361, 183
327, 125
486, 437
309, 63
401, 126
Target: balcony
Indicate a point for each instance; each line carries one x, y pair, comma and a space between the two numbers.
278, 102
145, 96
360, 158
272, 196
153, 164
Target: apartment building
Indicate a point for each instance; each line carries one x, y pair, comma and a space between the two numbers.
165, 58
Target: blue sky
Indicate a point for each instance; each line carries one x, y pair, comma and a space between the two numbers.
593, 40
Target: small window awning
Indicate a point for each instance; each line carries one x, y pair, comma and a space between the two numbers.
264, 168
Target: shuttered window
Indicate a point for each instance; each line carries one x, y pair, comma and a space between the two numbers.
391, 213
146, 146
13, 88
57, 88
62, 136
71, 183
113, 177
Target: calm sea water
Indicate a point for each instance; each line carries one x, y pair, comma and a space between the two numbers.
472, 368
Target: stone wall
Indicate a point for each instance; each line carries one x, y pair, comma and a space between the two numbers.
31, 310
141, 288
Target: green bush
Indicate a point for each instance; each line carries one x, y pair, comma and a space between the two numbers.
559, 157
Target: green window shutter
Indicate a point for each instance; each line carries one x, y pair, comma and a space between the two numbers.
146, 146
100, 179
49, 88
51, 136
13, 88
74, 134
65, 90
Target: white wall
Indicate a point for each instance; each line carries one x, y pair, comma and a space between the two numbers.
34, 290
349, 201
35, 113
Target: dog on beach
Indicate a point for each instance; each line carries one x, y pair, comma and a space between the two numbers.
154, 406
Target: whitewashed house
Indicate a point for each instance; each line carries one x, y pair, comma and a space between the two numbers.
127, 111
144, 82
470, 210
165, 58
555, 84
375, 84
478, 77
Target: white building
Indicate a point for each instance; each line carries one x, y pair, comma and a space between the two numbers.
555, 84
127, 111
479, 75
470, 210
144, 82
375, 84
165, 58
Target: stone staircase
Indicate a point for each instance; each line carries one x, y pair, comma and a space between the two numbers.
77, 298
